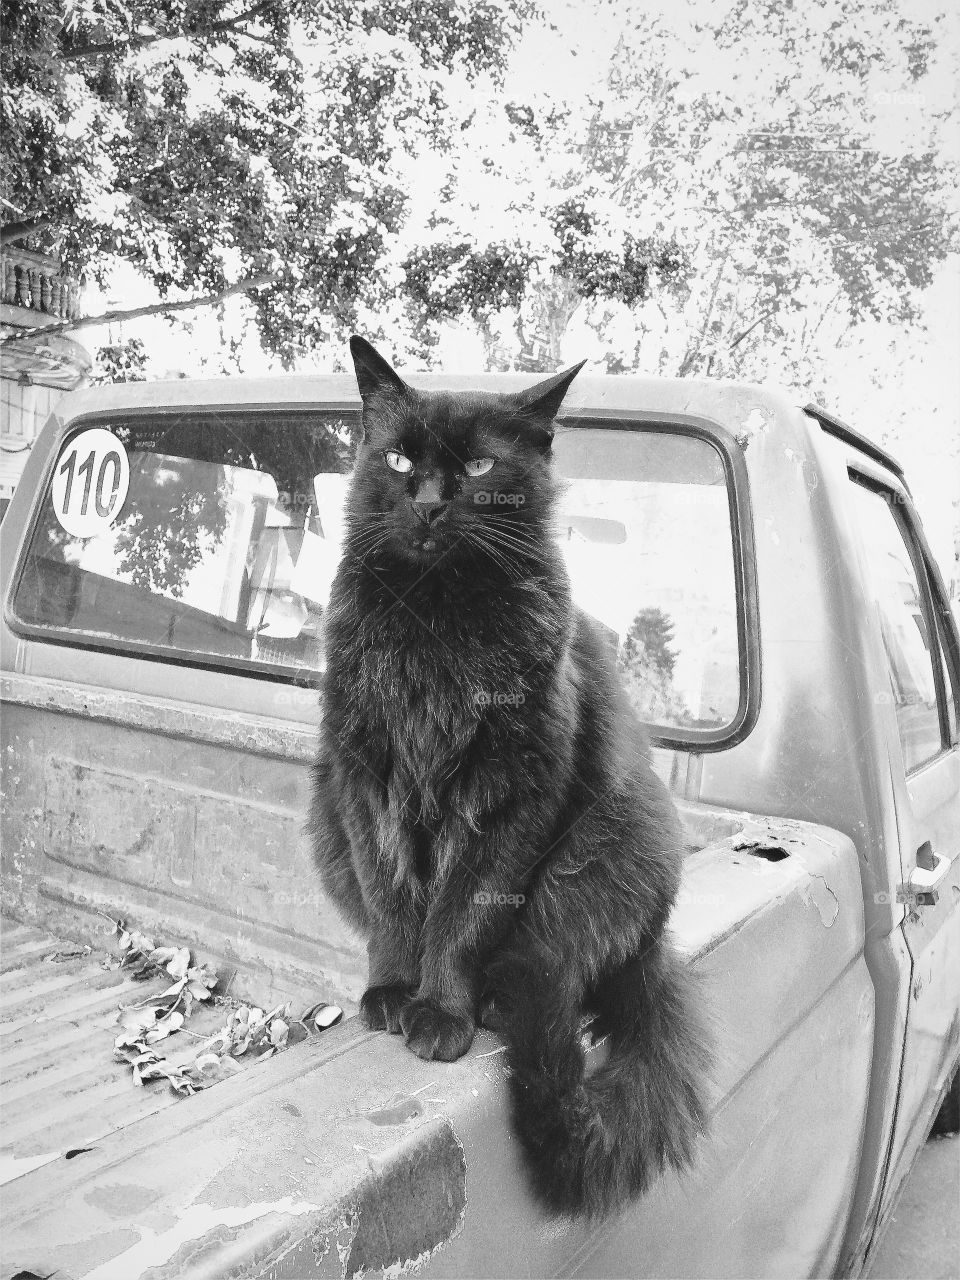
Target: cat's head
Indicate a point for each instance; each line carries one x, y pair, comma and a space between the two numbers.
451, 474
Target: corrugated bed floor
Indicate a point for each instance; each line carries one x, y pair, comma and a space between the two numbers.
60, 1088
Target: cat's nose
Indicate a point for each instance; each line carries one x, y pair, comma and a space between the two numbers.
429, 511
428, 503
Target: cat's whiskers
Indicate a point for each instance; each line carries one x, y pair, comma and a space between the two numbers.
509, 540
366, 542
479, 544
498, 556
510, 526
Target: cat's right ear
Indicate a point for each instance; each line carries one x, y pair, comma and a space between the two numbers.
373, 373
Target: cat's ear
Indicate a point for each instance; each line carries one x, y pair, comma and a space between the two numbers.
543, 400
373, 372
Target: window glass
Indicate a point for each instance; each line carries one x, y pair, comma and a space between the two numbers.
903, 625
225, 546
949, 683
645, 527
229, 536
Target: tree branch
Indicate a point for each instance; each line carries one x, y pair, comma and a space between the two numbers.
188, 33
14, 231
154, 309
691, 356
750, 328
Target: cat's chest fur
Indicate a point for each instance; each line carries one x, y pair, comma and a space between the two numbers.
421, 690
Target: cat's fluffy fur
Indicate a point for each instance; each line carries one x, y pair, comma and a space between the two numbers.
484, 809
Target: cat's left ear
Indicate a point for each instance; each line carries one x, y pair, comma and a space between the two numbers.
543, 400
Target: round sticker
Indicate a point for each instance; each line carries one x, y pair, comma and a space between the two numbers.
90, 483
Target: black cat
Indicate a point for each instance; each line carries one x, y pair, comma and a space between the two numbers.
484, 809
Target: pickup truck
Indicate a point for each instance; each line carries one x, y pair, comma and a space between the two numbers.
783, 628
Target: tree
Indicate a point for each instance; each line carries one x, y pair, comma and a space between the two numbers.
646, 663
648, 640
225, 145
700, 214
121, 362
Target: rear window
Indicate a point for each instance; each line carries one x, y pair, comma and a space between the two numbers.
645, 522
223, 548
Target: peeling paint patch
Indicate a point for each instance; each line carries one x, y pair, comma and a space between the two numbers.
411, 1207
816, 893
13, 1166
155, 1248
754, 424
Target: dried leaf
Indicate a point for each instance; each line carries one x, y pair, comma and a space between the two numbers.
321, 1016
61, 957
179, 964
165, 1027
173, 990
200, 973
134, 1023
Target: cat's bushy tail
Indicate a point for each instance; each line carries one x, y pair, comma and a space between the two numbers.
595, 1142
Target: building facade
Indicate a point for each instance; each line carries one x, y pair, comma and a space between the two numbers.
36, 368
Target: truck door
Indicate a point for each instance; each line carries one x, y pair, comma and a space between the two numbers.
916, 685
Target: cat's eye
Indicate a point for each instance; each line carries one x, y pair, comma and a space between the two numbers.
478, 466
397, 462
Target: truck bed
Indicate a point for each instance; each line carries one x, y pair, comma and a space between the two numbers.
347, 1153
60, 1088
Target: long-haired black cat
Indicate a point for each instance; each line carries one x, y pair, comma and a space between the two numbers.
484, 809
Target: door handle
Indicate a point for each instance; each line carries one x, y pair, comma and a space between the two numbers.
927, 876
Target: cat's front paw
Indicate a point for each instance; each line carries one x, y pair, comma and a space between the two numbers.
434, 1033
381, 1007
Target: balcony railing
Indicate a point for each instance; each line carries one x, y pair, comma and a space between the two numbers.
35, 282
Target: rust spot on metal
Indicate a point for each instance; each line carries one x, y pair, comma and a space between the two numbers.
759, 848
398, 1113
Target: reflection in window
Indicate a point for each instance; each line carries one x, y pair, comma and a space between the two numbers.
226, 546
903, 626
645, 529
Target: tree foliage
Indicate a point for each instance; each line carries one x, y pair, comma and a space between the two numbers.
217, 140
733, 186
